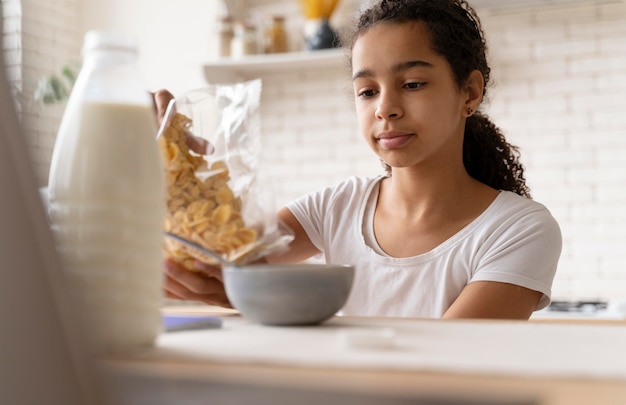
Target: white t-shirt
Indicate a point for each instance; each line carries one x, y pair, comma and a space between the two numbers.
515, 240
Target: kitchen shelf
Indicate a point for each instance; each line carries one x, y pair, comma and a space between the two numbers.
229, 70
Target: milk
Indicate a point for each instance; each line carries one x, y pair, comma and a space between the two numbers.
107, 218
106, 206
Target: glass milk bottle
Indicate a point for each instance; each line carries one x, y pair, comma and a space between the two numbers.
107, 197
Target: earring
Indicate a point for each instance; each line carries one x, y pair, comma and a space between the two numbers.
470, 112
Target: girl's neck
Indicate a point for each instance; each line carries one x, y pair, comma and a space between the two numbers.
413, 193
416, 213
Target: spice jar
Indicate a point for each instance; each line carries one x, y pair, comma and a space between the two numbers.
245, 40
276, 36
226, 34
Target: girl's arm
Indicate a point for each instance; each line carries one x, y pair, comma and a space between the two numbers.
494, 300
207, 285
301, 248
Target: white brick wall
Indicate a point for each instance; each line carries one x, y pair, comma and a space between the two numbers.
49, 41
560, 94
569, 120
12, 43
309, 132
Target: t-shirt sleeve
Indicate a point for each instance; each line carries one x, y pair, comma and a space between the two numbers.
524, 251
321, 213
309, 210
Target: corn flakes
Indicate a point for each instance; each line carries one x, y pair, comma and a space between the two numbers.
205, 211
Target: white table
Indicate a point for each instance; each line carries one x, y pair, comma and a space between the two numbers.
503, 362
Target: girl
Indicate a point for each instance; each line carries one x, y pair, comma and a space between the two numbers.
450, 231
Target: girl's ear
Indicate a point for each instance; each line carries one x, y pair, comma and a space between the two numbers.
474, 89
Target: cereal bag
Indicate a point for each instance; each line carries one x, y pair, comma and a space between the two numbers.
215, 199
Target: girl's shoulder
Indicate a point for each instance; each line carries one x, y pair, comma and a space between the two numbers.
511, 207
348, 193
351, 187
359, 182
509, 200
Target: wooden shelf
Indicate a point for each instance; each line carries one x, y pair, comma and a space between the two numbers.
229, 70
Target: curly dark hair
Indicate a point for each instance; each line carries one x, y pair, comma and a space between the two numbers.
456, 34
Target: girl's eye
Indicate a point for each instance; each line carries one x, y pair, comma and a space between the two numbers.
414, 85
366, 93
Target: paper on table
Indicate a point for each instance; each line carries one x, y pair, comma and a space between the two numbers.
479, 347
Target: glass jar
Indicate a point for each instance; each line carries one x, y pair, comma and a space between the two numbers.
226, 33
107, 197
276, 36
245, 40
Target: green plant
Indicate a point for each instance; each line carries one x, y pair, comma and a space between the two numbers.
56, 88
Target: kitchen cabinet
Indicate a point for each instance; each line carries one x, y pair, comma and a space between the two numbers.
229, 70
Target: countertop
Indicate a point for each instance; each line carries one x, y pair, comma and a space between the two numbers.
388, 360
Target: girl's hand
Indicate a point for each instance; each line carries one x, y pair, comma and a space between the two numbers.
206, 285
162, 99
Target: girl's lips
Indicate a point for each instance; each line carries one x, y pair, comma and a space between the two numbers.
394, 141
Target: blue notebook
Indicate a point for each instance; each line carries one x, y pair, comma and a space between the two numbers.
174, 323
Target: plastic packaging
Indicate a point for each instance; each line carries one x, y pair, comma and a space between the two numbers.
219, 199
106, 192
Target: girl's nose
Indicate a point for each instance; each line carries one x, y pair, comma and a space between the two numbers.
388, 107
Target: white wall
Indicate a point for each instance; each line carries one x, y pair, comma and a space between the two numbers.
47, 39
12, 43
174, 37
560, 94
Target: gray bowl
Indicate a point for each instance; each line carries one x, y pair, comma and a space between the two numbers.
288, 294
